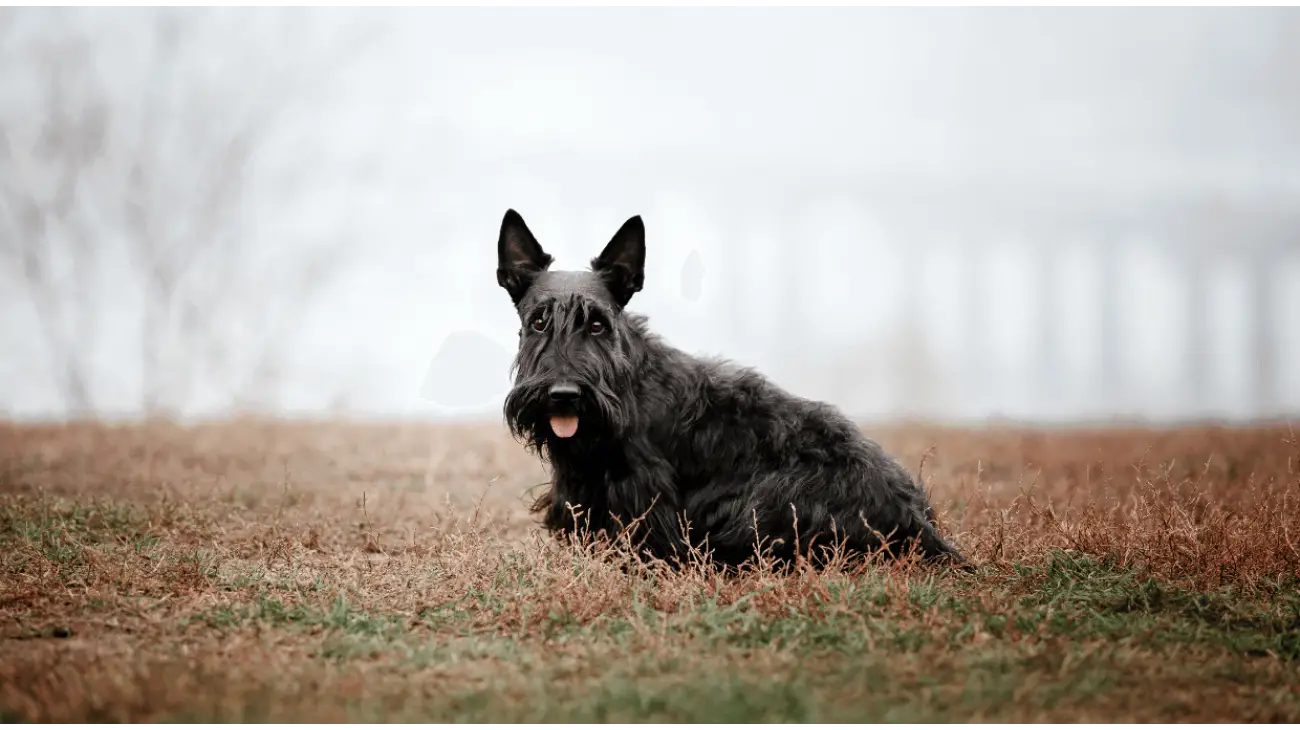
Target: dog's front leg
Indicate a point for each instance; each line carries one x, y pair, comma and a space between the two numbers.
646, 503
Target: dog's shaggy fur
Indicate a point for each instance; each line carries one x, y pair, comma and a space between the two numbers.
685, 452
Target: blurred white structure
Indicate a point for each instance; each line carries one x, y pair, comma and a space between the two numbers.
953, 214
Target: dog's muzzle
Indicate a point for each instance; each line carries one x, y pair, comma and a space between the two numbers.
564, 418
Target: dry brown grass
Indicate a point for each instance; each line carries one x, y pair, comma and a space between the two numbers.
258, 571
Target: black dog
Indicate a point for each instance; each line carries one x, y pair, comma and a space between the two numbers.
683, 452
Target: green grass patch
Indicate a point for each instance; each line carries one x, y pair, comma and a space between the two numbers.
1083, 598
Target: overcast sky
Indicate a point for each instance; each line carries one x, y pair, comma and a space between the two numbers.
746, 139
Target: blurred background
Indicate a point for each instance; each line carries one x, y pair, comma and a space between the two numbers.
954, 215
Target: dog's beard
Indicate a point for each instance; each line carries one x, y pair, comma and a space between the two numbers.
533, 420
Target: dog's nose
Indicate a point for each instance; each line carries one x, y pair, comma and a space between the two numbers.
565, 392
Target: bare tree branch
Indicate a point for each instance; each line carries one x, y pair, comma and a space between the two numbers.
171, 184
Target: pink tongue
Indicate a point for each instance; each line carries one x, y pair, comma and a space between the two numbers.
564, 426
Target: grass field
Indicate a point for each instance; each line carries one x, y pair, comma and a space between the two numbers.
254, 571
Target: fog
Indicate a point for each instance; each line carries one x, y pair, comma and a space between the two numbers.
1048, 215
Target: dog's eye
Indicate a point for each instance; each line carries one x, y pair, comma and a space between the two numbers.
596, 327
539, 324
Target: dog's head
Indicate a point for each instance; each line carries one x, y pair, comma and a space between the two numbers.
574, 356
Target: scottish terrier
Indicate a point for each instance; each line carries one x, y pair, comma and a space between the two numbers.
684, 455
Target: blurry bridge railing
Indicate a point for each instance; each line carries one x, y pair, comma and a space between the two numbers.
1172, 306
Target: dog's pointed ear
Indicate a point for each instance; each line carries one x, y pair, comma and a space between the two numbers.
520, 257
622, 264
